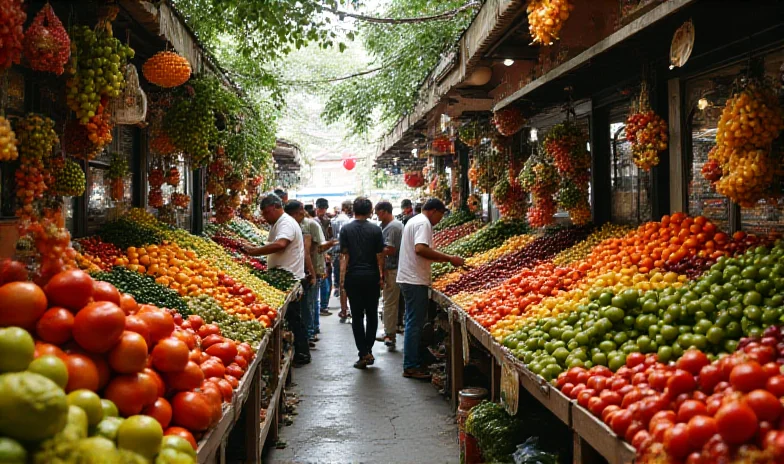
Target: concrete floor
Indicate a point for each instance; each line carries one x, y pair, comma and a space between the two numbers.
371, 416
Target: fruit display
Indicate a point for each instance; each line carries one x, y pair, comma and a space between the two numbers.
445, 237
546, 18
8, 151
69, 180
98, 252
509, 121
126, 232
118, 170
13, 17
751, 117
278, 278
180, 200
36, 136
155, 198
161, 144
205, 307
96, 70
565, 146
173, 177
77, 143
414, 179
47, 46
144, 289
648, 134
167, 69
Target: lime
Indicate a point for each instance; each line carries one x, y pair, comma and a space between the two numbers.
140, 434
17, 349
108, 427
11, 452
109, 408
51, 367
178, 443
90, 402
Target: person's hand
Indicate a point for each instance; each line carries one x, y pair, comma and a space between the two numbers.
311, 279
456, 261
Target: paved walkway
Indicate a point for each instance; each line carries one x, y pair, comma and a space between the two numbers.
372, 416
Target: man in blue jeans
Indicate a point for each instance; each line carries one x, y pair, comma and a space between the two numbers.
413, 275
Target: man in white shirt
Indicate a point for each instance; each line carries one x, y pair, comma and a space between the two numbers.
413, 275
285, 249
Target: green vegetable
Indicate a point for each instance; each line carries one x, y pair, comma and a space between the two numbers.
455, 219
231, 327
32, 407
279, 278
125, 234
496, 432
144, 289
480, 241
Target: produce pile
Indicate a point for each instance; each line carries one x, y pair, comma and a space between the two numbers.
90, 375
446, 237
455, 219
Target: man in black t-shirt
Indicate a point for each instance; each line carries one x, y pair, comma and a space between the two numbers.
361, 276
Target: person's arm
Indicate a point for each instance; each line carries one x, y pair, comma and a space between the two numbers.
271, 248
343, 267
380, 261
327, 245
426, 252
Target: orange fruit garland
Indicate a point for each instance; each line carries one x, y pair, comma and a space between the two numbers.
167, 69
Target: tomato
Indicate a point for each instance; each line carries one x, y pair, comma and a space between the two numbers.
214, 367
664, 415
210, 340
226, 351
226, 389
186, 337
775, 385
191, 410
691, 408
621, 421
603, 371
736, 422
98, 326
161, 411
770, 369
596, 405
187, 379
709, 377
160, 387
701, 428
181, 432
649, 407
576, 391
640, 438
42, 349
634, 359
657, 429
21, 304
766, 405
70, 289
129, 355
609, 410
680, 382
748, 376
170, 355
246, 351
713, 404
137, 324
196, 322
12, 271
630, 398
160, 322
236, 371
234, 381
692, 361
131, 393
726, 364
762, 354
128, 304
212, 390
639, 378
195, 355
676, 441
618, 383
658, 379
209, 329
104, 291
775, 442
611, 397
82, 373
55, 326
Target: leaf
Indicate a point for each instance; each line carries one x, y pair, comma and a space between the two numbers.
342, 47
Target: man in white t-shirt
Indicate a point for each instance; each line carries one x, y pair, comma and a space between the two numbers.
286, 250
413, 275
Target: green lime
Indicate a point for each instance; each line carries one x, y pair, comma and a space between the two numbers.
51, 367
90, 402
12, 452
17, 349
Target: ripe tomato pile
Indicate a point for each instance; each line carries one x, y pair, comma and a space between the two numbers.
12, 16
145, 359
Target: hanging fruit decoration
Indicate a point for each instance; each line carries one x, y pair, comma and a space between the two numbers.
118, 170
750, 121
509, 196
566, 146
472, 134
69, 179
442, 145
77, 143
474, 203
155, 197
509, 121
37, 138
541, 179
215, 186
47, 46
223, 210
180, 200
161, 144
349, 164
156, 178
173, 177
542, 212
8, 151
53, 243
167, 69
546, 18
414, 179
647, 132
12, 17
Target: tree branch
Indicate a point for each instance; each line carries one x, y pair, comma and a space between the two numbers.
447, 15
338, 79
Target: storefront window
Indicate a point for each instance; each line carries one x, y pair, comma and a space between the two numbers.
630, 186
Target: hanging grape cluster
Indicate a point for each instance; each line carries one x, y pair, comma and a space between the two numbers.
69, 180
8, 151
37, 138
12, 19
566, 145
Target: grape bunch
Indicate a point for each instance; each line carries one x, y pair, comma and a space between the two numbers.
751, 117
546, 18
570, 195
566, 145
69, 180
46, 43
542, 211
30, 185
96, 70
539, 177
12, 17
190, 122
155, 197
36, 136
648, 134
8, 151
156, 178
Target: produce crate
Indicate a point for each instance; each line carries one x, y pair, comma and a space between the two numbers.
600, 437
549, 396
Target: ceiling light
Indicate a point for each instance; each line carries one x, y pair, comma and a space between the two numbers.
508, 62
703, 103
534, 134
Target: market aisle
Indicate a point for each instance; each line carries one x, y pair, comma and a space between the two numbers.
371, 416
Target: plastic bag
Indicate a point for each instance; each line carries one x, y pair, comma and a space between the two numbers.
529, 453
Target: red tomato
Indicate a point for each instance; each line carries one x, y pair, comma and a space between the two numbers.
70, 289
185, 336
128, 304
608, 411
181, 432
713, 404
246, 351
701, 429
196, 321
748, 376
692, 361
191, 410
664, 415
240, 361
42, 349
55, 326
634, 359
226, 351
658, 379
136, 324
213, 367
618, 383
170, 355
762, 354
691, 408
621, 421
161, 411
736, 422
21, 304
596, 405
709, 377
131, 393
658, 429
649, 407
775, 385
226, 389
160, 387
209, 340
640, 438
566, 389
129, 355
104, 291
12, 271
630, 398
576, 391
236, 371
611, 397
676, 441
160, 322
187, 379
680, 382
82, 373
770, 369
98, 326
604, 371
764, 404
209, 329
234, 381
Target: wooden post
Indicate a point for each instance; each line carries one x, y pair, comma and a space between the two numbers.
277, 349
601, 191
495, 380
677, 180
252, 418
583, 453
456, 358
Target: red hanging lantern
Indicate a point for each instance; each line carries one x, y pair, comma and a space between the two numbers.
349, 164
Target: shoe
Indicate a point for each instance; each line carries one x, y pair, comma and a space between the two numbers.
324, 312
369, 359
361, 364
401, 329
416, 373
311, 344
381, 338
336, 293
389, 342
301, 359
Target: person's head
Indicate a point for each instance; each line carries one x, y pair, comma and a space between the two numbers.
271, 208
418, 208
295, 209
283, 195
309, 209
407, 206
384, 212
347, 207
363, 208
321, 206
434, 209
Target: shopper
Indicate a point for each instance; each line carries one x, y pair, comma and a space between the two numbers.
283, 195
322, 208
408, 211
346, 212
285, 249
296, 210
318, 246
392, 231
361, 276
413, 275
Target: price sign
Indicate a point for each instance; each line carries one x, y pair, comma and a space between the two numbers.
510, 387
